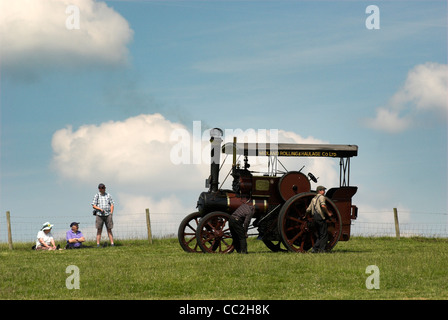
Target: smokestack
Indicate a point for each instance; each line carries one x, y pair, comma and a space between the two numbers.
215, 140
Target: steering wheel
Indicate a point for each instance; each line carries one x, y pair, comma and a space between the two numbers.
312, 177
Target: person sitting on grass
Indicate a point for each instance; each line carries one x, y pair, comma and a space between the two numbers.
74, 237
45, 240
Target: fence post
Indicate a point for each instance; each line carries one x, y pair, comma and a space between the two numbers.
148, 226
397, 227
8, 222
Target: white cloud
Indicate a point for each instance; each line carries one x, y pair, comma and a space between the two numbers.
426, 87
136, 150
389, 121
35, 37
425, 91
134, 203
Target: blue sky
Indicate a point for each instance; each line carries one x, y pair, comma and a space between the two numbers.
311, 69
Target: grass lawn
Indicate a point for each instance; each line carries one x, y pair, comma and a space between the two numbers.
409, 268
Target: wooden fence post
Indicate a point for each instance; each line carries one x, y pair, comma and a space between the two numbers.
397, 227
8, 222
148, 226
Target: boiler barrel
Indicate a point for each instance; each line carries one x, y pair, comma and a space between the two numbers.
226, 201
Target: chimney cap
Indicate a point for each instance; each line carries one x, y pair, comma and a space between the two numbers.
216, 133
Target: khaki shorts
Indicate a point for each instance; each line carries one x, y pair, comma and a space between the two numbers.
104, 220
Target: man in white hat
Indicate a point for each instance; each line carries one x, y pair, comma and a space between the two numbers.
45, 239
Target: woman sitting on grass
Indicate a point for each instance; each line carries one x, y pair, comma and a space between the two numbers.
45, 239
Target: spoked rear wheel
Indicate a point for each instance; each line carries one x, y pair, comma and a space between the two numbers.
297, 230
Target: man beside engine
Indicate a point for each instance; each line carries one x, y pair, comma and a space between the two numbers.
239, 224
320, 214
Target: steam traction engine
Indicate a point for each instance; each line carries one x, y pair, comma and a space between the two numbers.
280, 200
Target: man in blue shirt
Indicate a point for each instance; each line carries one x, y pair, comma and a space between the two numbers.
74, 237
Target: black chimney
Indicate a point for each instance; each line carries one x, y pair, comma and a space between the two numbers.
215, 153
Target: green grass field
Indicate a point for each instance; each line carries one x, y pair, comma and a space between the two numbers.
409, 268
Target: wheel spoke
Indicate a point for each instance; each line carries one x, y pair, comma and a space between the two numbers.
212, 227
209, 237
302, 244
189, 226
293, 219
297, 236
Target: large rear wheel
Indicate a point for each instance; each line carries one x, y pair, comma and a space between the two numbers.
297, 229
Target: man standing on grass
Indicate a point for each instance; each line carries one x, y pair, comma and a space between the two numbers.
320, 213
239, 224
104, 208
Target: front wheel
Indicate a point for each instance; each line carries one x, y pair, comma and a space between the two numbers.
186, 233
213, 233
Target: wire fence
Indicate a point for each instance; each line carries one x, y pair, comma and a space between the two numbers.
164, 225
381, 229
129, 226
432, 225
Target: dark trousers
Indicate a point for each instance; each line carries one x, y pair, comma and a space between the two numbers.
322, 233
238, 235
